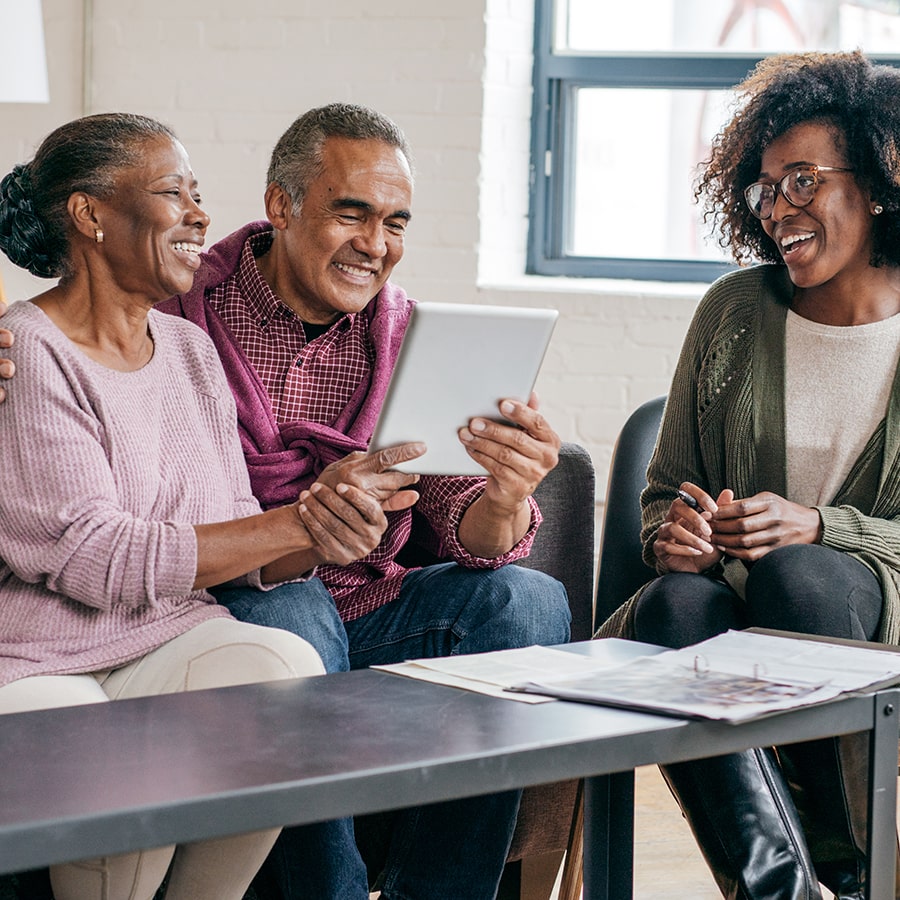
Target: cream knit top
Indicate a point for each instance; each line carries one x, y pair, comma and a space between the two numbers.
837, 385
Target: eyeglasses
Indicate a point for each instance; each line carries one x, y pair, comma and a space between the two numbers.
798, 187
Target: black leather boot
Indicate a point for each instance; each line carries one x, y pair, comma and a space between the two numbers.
744, 820
828, 780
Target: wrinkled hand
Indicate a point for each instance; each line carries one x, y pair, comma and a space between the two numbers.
344, 510
7, 369
748, 529
344, 524
371, 472
517, 459
684, 540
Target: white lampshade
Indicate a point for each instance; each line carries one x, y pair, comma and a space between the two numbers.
23, 60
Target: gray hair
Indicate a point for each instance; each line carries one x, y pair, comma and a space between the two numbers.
297, 157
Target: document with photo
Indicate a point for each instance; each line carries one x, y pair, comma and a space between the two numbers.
734, 677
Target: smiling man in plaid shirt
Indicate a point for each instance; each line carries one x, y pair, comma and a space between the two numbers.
308, 328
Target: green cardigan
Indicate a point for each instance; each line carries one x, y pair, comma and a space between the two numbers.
723, 427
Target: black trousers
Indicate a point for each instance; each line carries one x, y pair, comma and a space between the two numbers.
806, 588
765, 823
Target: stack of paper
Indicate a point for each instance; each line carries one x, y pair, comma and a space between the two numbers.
733, 677
493, 673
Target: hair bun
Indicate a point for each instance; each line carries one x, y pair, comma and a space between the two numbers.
17, 185
23, 237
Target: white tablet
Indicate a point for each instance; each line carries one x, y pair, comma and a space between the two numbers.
458, 361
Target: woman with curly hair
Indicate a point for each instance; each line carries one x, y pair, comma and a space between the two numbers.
782, 425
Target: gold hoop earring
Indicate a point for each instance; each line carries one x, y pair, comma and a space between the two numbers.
877, 209
98, 235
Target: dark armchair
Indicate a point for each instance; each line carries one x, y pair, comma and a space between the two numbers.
563, 548
620, 573
621, 570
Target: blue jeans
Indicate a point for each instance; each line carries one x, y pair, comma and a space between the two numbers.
455, 849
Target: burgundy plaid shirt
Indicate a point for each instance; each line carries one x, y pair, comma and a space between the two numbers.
313, 381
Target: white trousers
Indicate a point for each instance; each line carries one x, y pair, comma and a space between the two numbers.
216, 653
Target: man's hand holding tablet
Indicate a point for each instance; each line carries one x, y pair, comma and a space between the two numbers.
462, 370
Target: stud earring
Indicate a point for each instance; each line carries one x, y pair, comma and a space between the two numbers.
877, 209
98, 235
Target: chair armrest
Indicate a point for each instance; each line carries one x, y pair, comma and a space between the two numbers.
622, 569
564, 544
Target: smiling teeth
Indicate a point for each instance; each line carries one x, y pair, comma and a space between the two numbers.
187, 247
792, 239
352, 270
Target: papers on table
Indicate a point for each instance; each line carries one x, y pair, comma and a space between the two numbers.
733, 677
492, 673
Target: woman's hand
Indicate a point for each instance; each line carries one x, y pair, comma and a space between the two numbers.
344, 524
332, 526
342, 517
748, 529
684, 540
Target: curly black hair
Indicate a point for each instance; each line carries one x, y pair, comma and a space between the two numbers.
83, 155
845, 90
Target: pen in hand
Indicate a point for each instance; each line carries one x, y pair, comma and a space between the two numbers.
691, 502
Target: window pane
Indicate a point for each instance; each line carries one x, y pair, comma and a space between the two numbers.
709, 26
636, 157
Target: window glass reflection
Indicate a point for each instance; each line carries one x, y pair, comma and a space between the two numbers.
633, 191
728, 26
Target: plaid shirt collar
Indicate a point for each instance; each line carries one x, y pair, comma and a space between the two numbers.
262, 303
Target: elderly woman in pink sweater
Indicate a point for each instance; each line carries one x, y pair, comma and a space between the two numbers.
125, 493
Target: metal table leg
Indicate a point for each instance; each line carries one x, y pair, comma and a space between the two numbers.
609, 837
882, 833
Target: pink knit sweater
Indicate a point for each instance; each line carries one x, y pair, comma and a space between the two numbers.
104, 474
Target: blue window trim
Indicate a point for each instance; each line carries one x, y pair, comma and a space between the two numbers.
557, 77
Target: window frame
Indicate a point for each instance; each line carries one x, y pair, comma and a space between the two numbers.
557, 77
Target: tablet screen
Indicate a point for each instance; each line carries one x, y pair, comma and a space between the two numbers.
458, 361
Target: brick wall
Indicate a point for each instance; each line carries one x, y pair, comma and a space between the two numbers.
230, 75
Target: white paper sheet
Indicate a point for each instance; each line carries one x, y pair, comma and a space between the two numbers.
491, 673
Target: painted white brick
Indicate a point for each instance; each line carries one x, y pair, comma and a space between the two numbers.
456, 132
249, 33
303, 35
461, 99
274, 10
450, 196
463, 31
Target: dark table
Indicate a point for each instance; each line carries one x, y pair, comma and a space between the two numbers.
114, 777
